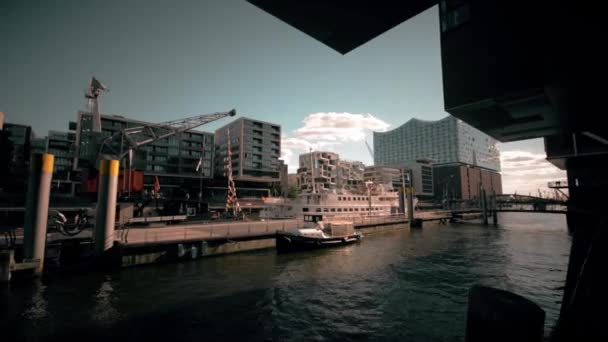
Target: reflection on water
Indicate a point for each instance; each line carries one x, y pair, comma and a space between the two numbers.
37, 308
104, 310
406, 285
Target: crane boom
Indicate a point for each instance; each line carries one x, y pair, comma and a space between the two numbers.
371, 153
119, 144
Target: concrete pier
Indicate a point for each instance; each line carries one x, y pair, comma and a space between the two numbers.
103, 236
37, 208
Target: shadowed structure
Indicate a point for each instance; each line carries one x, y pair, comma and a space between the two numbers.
343, 25
515, 70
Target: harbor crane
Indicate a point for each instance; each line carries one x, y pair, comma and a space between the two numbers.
122, 143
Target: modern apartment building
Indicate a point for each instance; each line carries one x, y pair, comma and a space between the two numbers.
422, 176
349, 174
15, 156
445, 141
62, 146
318, 171
256, 148
383, 175
326, 171
20, 137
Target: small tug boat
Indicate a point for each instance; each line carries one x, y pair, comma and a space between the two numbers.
317, 234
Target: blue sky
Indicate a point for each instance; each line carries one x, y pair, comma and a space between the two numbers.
165, 60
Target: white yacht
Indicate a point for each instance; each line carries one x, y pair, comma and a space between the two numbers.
378, 200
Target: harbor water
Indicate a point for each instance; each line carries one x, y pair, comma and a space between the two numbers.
408, 285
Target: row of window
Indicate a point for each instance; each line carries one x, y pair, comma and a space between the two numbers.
364, 198
339, 210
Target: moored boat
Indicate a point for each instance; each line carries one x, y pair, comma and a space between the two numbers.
316, 235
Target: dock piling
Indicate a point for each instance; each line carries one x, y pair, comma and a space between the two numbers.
106, 206
37, 208
484, 205
7, 261
494, 211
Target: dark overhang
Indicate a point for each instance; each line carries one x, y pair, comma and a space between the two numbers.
513, 69
343, 25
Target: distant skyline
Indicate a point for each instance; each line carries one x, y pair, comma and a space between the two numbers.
164, 60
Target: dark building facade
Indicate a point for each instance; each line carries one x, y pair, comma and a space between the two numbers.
462, 182
17, 140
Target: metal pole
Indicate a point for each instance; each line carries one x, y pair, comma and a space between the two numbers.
484, 203
410, 203
403, 196
494, 212
37, 208
130, 162
106, 206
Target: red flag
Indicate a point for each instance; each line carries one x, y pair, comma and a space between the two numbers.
156, 184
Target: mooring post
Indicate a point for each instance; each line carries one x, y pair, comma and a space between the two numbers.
494, 212
484, 204
414, 222
7, 259
106, 206
37, 208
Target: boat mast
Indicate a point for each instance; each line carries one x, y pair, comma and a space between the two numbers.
232, 202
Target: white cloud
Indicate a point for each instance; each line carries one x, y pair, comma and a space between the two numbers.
323, 130
343, 127
525, 172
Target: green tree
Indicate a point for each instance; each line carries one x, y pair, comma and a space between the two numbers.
293, 192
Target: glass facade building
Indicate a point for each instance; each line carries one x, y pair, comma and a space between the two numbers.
445, 141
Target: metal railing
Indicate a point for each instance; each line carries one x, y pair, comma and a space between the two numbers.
197, 232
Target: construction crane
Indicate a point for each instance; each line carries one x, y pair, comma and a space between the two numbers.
371, 152
125, 141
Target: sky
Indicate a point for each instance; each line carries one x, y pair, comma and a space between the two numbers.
165, 60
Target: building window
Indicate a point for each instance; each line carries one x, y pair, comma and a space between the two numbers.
305, 210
